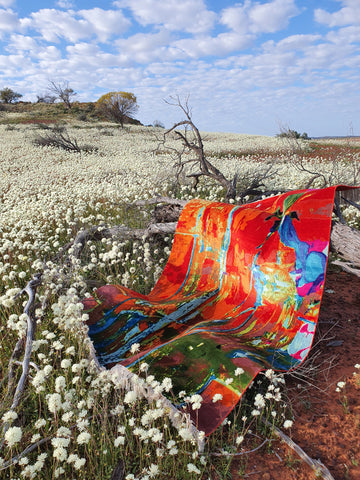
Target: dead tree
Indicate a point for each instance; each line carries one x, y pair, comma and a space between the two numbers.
59, 137
62, 91
190, 159
191, 153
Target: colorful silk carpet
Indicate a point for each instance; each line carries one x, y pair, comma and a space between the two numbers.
240, 293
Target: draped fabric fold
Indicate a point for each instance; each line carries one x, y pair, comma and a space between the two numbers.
240, 293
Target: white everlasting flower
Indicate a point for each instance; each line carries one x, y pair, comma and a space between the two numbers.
288, 424
120, 440
130, 397
60, 453
76, 460
63, 432
47, 370
156, 435
70, 350
170, 444
13, 435
54, 402
79, 463
36, 437
239, 439
144, 367
153, 470
196, 401
60, 383
239, 371
135, 347
185, 434
66, 417
9, 416
83, 438
217, 397
23, 461
65, 363
59, 471
167, 384
40, 423
191, 468
269, 373
259, 401
82, 424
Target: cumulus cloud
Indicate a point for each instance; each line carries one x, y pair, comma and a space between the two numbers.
347, 15
22, 43
8, 21
168, 48
346, 35
91, 58
56, 24
295, 42
254, 17
222, 44
105, 23
187, 15
145, 47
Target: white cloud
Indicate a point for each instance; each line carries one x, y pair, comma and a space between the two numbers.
73, 26
348, 15
259, 17
105, 23
22, 43
64, 4
8, 21
223, 44
55, 24
185, 15
296, 42
91, 58
49, 54
145, 47
6, 3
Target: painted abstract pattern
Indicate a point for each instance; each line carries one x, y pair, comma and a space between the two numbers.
241, 289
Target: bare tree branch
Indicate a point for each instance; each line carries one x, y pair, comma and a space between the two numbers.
62, 91
319, 468
192, 144
30, 290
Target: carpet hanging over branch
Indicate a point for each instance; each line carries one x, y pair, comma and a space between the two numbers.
240, 293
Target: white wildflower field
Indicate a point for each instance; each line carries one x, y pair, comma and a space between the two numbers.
66, 418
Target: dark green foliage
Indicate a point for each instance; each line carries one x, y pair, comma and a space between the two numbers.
9, 96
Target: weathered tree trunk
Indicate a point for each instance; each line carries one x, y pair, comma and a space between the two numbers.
345, 241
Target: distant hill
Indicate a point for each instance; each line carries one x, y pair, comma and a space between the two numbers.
27, 112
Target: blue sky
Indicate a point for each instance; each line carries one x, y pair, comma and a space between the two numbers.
248, 66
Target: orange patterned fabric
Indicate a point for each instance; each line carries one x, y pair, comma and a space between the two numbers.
240, 293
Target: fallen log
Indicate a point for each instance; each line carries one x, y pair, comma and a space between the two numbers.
345, 241
320, 470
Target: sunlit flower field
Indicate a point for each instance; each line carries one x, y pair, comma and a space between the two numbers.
72, 420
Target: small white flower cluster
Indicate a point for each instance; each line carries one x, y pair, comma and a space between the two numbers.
340, 386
